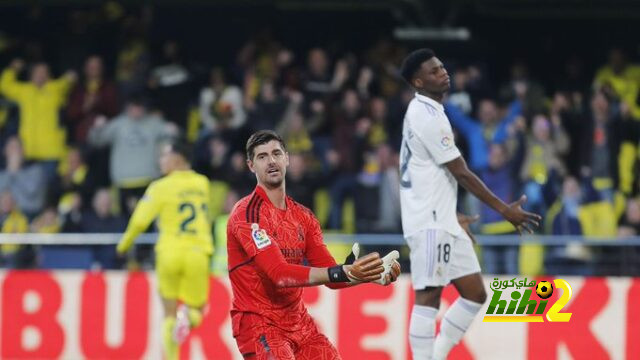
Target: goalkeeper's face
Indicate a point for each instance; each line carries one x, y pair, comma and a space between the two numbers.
269, 163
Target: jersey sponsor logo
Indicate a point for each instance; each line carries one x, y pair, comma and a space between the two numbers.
259, 236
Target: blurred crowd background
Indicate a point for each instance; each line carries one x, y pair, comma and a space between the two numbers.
89, 92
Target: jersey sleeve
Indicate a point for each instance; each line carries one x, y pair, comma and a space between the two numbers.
437, 137
254, 237
145, 212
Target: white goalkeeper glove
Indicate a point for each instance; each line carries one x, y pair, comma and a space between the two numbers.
391, 268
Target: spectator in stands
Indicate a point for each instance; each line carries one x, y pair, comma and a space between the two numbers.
40, 101
132, 64
319, 83
47, 222
170, 84
630, 223
366, 194
13, 222
294, 132
628, 151
72, 214
238, 176
521, 86
600, 144
27, 183
302, 184
100, 219
490, 127
74, 180
221, 108
458, 94
378, 113
620, 79
268, 108
568, 109
498, 259
91, 97
388, 220
350, 131
134, 137
212, 159
563, 218
542, 162
630, 226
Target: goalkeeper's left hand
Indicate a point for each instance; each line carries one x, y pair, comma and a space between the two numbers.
391, 268
389, 262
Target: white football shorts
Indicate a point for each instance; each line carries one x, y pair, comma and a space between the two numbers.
437, 257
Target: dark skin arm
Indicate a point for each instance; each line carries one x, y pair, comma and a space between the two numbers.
522, 220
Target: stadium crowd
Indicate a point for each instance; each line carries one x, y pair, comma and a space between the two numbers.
79, 148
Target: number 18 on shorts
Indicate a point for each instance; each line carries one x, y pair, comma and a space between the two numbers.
437, 257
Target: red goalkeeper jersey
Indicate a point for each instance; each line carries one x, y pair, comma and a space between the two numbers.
261, 238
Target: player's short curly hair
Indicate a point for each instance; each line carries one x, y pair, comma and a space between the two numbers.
412, 62
181, 148
262, 137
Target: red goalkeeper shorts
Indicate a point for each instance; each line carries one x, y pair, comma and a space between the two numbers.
258, 340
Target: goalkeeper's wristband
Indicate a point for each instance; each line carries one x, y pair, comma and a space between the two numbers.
337, 274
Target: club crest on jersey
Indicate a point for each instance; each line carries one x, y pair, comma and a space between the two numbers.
259, 236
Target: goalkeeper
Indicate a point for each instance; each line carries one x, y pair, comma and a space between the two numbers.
270, 240
183, 251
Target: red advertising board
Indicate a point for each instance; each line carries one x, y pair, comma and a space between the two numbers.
117, 315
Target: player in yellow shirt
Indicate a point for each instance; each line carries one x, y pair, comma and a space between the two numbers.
179, 203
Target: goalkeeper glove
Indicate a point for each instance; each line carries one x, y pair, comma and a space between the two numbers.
389, 263
391, 268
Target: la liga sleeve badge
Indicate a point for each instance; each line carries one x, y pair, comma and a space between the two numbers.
259, 236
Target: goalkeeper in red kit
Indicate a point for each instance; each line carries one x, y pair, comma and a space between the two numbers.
275, 248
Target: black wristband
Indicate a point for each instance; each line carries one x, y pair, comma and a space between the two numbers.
337, 274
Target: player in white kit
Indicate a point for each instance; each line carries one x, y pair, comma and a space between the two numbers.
441, 250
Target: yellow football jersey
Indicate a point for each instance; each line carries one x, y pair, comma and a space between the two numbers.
179, 202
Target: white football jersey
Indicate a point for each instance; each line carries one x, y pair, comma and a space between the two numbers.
428, 191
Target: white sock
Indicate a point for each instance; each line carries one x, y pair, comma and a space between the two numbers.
422, 331
454, 324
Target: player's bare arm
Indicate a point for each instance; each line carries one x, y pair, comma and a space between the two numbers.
522, 220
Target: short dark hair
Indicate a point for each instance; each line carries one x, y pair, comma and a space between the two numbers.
412, 62
181, 148
262, 137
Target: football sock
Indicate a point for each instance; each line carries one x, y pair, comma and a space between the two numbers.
169, 344
422, 331
195, 317
454, 324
